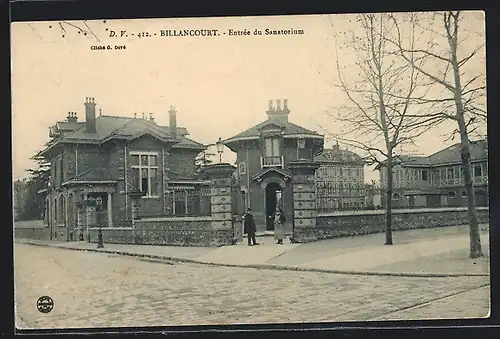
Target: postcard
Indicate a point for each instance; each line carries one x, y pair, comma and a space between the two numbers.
250, 170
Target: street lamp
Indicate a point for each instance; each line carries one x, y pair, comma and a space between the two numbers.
220, 148
99, 235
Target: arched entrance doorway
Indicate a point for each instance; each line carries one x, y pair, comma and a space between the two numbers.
274, 198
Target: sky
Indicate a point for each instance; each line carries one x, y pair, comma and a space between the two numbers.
220, 85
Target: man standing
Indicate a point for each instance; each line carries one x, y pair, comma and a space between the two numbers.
249, 227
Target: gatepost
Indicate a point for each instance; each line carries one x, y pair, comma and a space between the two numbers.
80, 219
304, 200
90, 215
136, 197
220, 176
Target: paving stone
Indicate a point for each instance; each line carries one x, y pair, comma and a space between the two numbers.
94, 290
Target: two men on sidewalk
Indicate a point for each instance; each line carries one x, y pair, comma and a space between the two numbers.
250, 228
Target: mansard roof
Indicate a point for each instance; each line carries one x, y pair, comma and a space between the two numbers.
287, 129
115, 127
337, 155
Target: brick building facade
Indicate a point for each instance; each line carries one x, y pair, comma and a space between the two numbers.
109, 157
263, 153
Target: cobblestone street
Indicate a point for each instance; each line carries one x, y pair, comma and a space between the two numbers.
101, 290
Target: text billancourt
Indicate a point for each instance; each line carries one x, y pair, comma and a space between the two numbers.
232, 32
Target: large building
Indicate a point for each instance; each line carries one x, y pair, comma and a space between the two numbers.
340, 180
437, 180
263, 153
109, 157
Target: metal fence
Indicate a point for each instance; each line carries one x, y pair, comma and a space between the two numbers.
331, 197
190, 201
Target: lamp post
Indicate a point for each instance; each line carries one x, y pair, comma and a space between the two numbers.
98, 210
220, 148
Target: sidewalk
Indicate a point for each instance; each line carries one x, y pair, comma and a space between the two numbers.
428, 252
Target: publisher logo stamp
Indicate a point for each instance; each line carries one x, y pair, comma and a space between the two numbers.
45, 304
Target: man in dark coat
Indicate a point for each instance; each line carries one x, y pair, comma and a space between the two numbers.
249, 227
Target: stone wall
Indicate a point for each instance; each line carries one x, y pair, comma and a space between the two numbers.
167, 231
33, 233
180, 231
113, 235
339, 224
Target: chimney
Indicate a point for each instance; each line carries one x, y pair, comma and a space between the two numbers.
172, 121
90, 119
285, 105
271, 108
143, 116
135, 115
278, 113
72, 117
151, 117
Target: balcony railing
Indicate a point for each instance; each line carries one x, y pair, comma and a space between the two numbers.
460, 181
266, 162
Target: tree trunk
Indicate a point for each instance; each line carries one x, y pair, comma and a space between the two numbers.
388, 204
474, 236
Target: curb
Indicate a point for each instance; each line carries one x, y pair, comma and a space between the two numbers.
268, 266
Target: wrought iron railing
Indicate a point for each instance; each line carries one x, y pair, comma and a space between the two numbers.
275, 161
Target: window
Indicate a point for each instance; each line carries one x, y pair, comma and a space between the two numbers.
478, 170
272, 147
55, 210
61, 217
464, 194
395, 196
450, 173
145, 173
61, 169
242, 167
301, 143
425, 176
451, 195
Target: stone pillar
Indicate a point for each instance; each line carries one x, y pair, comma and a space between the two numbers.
304, 200
80, 208
90, 216
109, 210
222, 232
136, 205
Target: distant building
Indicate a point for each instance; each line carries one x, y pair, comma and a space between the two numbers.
437, 180
340, 180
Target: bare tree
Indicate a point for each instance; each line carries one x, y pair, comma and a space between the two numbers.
378, 119
66, 28
463, 99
